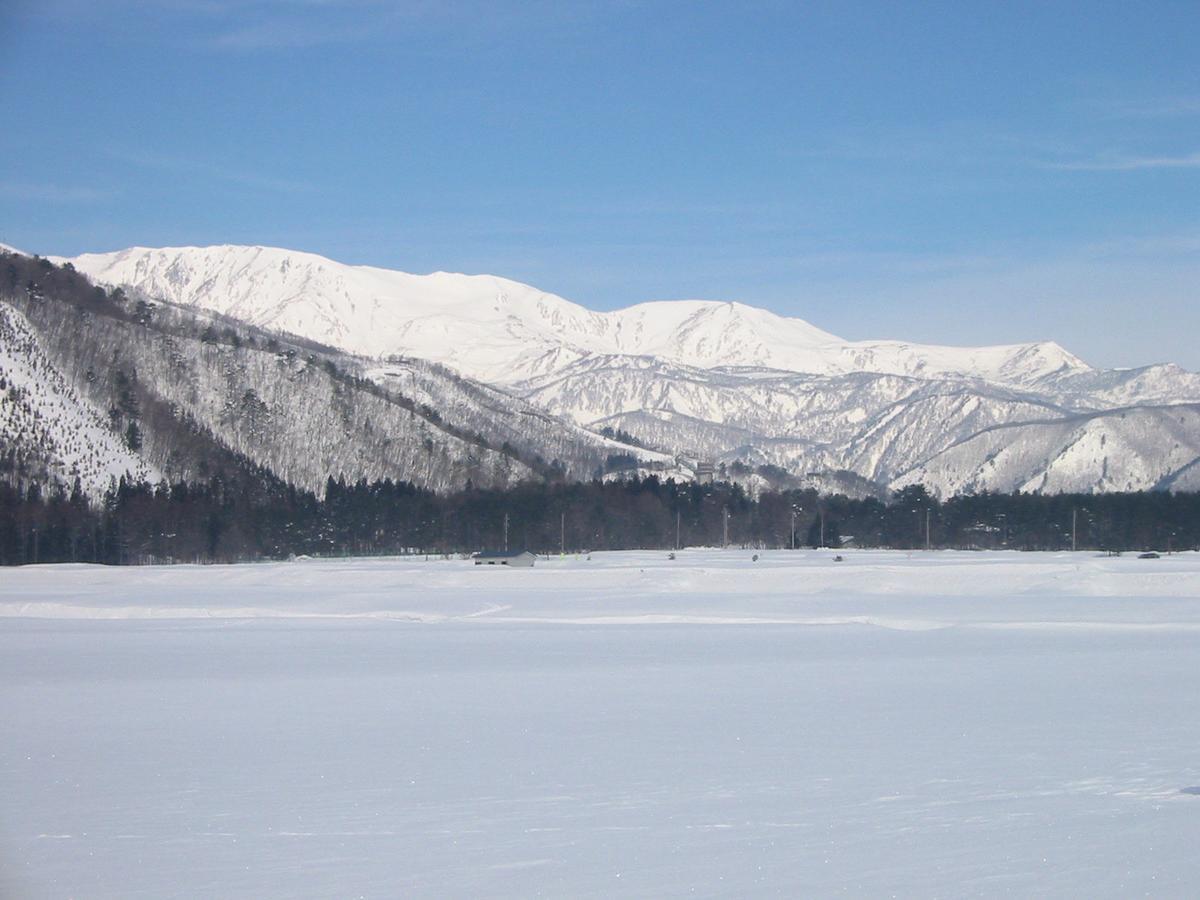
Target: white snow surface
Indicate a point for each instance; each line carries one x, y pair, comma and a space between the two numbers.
925, 724
502, 331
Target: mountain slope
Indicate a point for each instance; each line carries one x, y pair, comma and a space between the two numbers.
716, 381
203, 393
51, 435
502, 331
1135, 449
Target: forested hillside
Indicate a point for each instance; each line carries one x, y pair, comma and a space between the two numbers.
102, 384
721, 382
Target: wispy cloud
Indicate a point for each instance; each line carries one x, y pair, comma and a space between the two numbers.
252, 25
54, 193
289, 35
266, 26
296, 24
240, 25
213, 171
1151, 108
1128, 163
1182, 247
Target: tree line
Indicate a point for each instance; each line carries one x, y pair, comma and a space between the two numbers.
251, 515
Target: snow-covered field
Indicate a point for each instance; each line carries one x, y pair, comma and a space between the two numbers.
918, 725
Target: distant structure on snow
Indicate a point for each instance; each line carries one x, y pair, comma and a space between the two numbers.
516, 558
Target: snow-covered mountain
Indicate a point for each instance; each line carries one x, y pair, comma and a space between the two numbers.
95, 386
502, 331
711, 380
1137, 449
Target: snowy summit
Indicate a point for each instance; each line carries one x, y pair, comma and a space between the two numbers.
502, 331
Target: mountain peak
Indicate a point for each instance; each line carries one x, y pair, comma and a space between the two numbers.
504, 331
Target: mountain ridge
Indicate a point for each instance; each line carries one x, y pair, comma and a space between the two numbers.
96, 384
516, 331
703, 380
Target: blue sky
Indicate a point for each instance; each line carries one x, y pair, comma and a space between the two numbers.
953, 172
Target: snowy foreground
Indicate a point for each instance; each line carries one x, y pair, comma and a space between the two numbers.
936, 724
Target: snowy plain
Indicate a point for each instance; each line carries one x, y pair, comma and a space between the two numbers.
925, 724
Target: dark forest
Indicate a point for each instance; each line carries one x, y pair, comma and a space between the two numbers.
252, 516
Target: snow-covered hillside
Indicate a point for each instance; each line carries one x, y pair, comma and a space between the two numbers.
51, 435
503, 331
504, 418
710, 380
97, 387
1137, 449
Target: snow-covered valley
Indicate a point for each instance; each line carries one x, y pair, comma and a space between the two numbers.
626, 725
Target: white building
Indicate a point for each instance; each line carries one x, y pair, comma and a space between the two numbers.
516, 558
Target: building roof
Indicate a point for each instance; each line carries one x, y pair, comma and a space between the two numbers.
502, 554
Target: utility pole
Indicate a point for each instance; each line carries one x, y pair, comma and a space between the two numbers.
676, 529
927, 528
562, 534
506, 532
793, 528
822, 511
725, 529
1074, 513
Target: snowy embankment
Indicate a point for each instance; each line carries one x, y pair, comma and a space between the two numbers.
945, 724
884, 588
